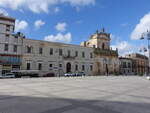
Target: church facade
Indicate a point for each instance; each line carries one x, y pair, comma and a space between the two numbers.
105, 59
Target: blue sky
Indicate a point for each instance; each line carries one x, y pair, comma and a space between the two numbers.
73, 21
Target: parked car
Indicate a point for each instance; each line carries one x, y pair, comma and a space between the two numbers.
67, 74
8, 75
49, 75
1, 76
70, 74
26, 73
80, 74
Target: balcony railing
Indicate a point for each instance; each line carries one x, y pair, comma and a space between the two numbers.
65, 57
105, 52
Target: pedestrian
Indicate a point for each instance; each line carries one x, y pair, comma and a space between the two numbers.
107, 72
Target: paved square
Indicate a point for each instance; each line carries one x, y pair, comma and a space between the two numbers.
75, 95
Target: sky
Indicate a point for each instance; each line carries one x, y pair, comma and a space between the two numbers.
73, 21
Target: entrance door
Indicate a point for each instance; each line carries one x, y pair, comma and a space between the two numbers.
68, 67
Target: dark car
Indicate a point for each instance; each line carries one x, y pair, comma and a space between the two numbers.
80, 74
49, 75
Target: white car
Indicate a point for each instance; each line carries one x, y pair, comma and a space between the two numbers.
148, 78
8, 75
69, 74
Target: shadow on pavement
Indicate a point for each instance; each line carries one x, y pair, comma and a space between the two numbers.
22, 104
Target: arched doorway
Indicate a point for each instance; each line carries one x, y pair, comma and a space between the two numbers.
68, 67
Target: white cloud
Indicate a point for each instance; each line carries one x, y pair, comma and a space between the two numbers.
20, 25
41, 5
143, 26
59, 38
114, 38
61, 27
79, 2
3, 12
38, 23
124, 48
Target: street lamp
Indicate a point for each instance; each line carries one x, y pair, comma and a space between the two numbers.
146, 35
144, 50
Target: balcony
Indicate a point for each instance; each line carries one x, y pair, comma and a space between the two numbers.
105, 52
68, 57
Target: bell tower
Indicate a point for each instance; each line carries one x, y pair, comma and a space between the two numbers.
100, 39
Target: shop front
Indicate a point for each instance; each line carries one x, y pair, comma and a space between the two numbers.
9, 63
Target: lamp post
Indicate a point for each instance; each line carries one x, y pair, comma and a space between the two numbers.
146, 35
144, 50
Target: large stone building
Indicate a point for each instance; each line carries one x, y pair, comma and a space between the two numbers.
57, 58
92, 57
140, 63
126, 66
10, 45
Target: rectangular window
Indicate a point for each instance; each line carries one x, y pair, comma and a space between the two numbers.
60, 52
28, 66
39, 66
69, 53
83, 54
76, 68
15, 48
6, 47
91, 67
50, 65
91, 55
51, 51
76, 53
83, 67
7, 35
7, 27
129, 65
124, 65
60, 65
40, 50
29, 49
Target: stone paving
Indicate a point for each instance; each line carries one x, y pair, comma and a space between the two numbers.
75, 95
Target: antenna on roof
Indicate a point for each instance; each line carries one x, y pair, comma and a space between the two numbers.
103, 30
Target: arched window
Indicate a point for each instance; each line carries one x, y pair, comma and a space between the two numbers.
103, 46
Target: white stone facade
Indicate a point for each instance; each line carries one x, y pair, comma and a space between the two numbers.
93, 57
56, 62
